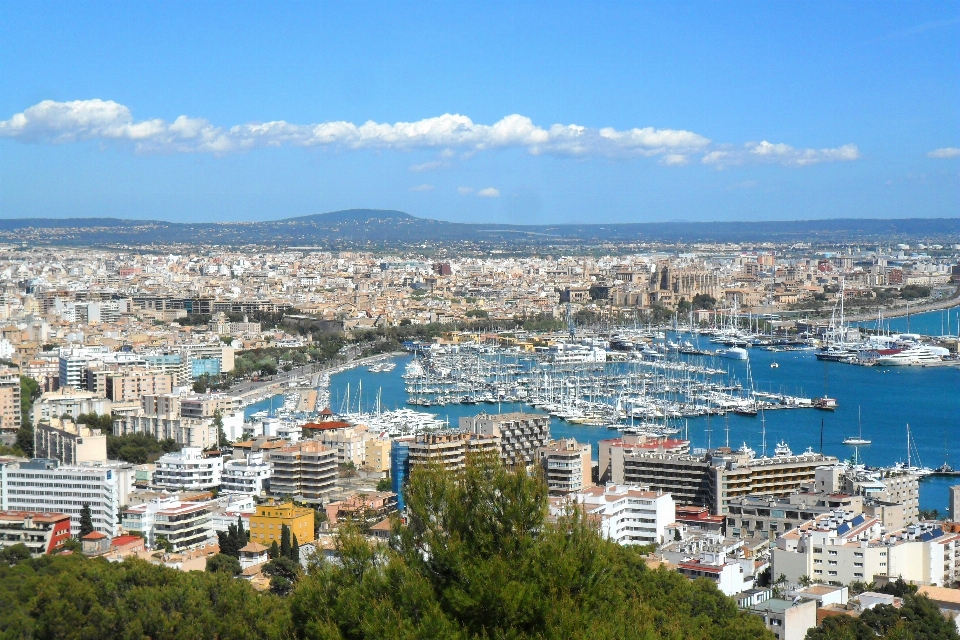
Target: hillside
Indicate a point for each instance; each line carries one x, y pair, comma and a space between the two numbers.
369, 228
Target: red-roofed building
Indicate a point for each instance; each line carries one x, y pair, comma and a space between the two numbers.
41, 532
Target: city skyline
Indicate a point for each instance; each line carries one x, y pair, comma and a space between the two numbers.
535, 113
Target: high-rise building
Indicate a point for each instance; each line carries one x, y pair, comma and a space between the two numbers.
567, 466
306, 469
44, 485
250, 475
521, 435
10, 417
182, 524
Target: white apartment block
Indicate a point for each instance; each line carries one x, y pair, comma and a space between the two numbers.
187, 470
250, 476
44, 485
628, 515
183, 524
841, 548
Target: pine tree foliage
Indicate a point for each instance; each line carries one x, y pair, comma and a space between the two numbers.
86, 520
479, 559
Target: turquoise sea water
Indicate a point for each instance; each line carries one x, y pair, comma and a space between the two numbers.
932, 323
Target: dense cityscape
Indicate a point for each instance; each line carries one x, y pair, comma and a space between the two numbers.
177, 406
480, 321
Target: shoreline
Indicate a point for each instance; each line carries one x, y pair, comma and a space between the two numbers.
901, 311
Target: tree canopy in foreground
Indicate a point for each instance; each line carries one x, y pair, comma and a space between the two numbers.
477, 559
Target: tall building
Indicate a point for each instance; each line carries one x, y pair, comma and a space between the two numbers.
306, 469
44, 485
187, 470
955, 503
68, 400
448, 449
182, 524
10, 417
400, 467
68, 442
126, 386
267, 523
521, 435
567, 466
717, 478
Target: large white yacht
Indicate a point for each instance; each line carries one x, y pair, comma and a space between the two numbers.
914, 356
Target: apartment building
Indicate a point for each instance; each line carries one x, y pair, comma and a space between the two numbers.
248, 476
306, 469
449, 449
132, 384
567, 466
68, 443
10, 408
635, 443
718, 477
42, 532
627, 515
187, 470
69, 401
521, 435
348, 440
267, 523
183, 524
377, 455
769, 517
45, 486
189, 432
371, 507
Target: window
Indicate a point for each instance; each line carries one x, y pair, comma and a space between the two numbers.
831, 553
833, 573
818, 570
818, 549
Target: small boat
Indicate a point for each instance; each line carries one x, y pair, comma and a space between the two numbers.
774, 365
825, 403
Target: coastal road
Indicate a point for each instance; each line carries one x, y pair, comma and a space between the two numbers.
251, 388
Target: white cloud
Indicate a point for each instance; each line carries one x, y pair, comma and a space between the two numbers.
451, 135
489, 192
426, 166
674, 159
778, 153
945, 152
465, 191
422, 187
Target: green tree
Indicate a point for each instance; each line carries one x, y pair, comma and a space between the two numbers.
295, 549
284, 541
160, 542
384, 484
479, 559
15, 554
218, 423
86, 521
274, 551
222, 563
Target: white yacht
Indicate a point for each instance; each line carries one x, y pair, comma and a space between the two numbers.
733, 353
914, 356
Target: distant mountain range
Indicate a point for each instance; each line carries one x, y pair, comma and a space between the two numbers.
370, 228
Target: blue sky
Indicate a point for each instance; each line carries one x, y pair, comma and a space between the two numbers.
508, 112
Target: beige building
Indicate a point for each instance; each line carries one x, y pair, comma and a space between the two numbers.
68, 442
9, 405
521, 435
567, 466
377, 457
449, 449
307, 469
131, 385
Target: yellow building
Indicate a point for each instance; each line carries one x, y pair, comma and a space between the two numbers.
377, 455
267, 523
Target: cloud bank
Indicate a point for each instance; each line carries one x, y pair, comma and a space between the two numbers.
53, 122
945, 152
